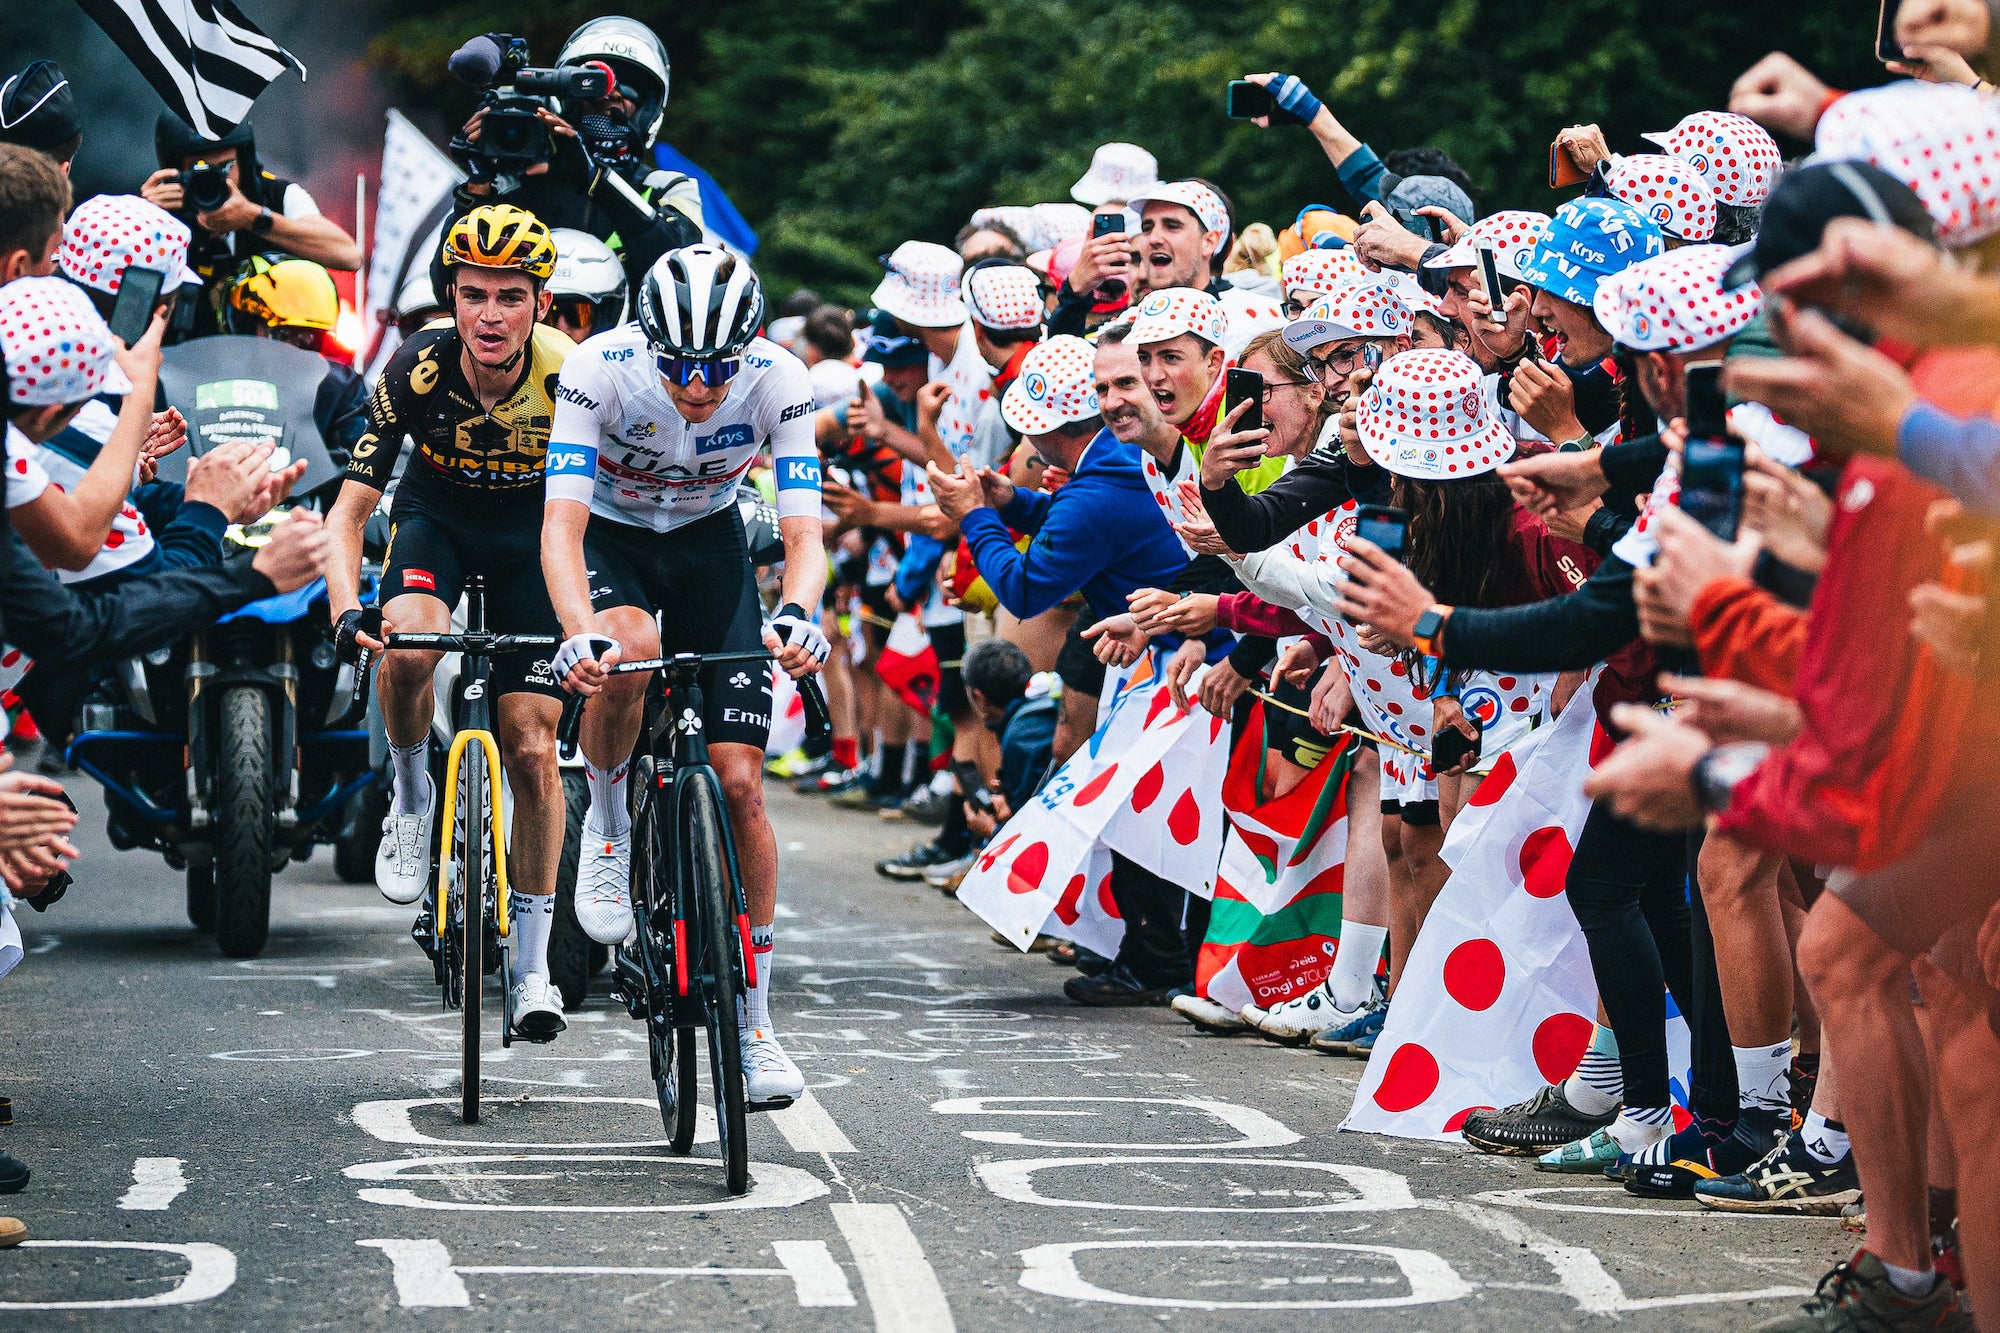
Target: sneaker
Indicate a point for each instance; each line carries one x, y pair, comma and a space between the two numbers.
538, 1008
1675, 1166
1788, 1179
913, 863
1294, 1022
403, 861
792, 766
13, 1174
1858, 1297
1209, 1016
946, 876
1584, 1157
867, 796
770, 1079
926, 805
1854, 1217
833, 780
1356, 1036
1531, 1128
1114, 987
604, 889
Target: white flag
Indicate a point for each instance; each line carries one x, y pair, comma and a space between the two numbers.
410, 206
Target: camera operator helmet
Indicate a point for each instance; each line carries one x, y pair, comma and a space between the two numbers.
588, 284
640, 73
292, 299
176, 142
500, 236
699, 307
417, 304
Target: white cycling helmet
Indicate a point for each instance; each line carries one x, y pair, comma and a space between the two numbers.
588, 270
639, 59
417, 297
700, 302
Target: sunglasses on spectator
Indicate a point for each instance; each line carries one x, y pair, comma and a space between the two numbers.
712, 371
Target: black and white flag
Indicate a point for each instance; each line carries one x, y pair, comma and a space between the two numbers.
202, 56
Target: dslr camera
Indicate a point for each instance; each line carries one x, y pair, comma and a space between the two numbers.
512, 137
205, 188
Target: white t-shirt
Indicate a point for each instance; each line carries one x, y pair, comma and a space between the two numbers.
620, 445
131, 537
26, 478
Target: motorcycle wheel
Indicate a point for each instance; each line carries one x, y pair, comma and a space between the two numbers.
354, 850
201, 898
569, 947
243, 824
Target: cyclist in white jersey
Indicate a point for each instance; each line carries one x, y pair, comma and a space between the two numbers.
657, 423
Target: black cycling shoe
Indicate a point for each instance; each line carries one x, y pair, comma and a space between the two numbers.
1693, 1158
1114, 987
1092, 964
913, 863
13, 1174
1544, 1122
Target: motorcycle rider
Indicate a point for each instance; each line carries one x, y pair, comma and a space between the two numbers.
588, 286
477, 395
294, 301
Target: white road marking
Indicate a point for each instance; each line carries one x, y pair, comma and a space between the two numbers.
156, 1183
285, 1055
1255, 1128
770, 1186
1375, 1190
211, 1271
808, 1128
390, 1122
425, 1276
955, 1080
1051, 1270
423, 1273
902, 1287
1531, 1198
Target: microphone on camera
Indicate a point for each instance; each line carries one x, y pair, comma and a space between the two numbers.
477, 62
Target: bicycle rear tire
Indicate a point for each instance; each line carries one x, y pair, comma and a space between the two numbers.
472, 911
710, 881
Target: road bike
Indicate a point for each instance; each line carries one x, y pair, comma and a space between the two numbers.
688, 962
465, 925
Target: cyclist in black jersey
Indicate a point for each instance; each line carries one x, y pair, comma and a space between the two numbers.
476, 395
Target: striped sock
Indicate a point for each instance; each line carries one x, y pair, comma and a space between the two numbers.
1598, 1084
1641, 1127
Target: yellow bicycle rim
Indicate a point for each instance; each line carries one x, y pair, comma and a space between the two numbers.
502, 916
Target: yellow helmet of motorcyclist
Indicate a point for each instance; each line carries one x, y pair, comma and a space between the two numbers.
285, 292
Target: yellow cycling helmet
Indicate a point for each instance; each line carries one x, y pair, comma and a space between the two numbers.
501, 236
284, 292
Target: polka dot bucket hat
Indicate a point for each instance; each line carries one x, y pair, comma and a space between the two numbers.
1942, 140
1511, 232
110, 232
1676, 303
1172, 311
1357, 310
1734, 154
1427, 416
1004, 296
1057, 384
921, 286
1667, 190
57, 349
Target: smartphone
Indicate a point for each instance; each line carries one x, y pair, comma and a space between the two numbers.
1384, 525
138, 297
1451, 746
1244, 386
1103, 224
1371, 356
1563, 170
1707, 412
1712, 466
1887, 48
1248, 100
1489, 279
972, 786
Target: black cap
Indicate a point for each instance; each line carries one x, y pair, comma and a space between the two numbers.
36, 109
1809, 197
889, 347
174, 140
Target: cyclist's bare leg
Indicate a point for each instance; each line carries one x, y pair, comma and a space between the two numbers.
403, 680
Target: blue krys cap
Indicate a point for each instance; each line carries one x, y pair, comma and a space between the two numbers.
1589, 240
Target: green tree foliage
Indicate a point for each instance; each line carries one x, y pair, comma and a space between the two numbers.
842, 127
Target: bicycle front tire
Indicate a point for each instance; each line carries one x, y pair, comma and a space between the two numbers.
472, 911
708, 886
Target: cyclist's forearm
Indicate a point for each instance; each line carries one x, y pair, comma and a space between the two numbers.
805, 562
563, 522
346, 522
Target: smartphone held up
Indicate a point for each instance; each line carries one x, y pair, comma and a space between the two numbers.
1244, 386
1712, 464
138, 297
1248, 101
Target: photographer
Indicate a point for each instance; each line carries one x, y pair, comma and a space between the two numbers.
578, 162
236, 209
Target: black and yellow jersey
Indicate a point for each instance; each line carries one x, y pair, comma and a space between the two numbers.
465, 454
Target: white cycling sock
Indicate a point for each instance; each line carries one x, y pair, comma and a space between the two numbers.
1763, 1079
944, 782
608, 817
1598, 1084
1825, 1139
757, 1004
1351, 983
1639, 1128
1912, 1282
534, 918
410, 765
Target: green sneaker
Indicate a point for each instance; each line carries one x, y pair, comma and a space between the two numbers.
1583, 1157
1858, 1297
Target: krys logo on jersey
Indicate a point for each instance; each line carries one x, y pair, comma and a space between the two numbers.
733, 436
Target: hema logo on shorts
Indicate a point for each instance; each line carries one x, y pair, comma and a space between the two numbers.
419, 578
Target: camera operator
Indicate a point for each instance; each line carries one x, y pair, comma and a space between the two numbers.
237, 209
584, 162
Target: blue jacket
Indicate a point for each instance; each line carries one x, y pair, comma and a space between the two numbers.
1027, 740
1103, 534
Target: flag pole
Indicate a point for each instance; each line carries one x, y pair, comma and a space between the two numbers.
361, 273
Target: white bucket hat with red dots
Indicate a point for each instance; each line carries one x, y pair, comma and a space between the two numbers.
1004, 296
1676, 302
1940, 139
1057, 385
1427, 416
1172, 311
57, 347
1512, 233
1667, 190
110, 232
1055, 223
1321, 271
921, 287
1357, 310
1734, 154
1118, 171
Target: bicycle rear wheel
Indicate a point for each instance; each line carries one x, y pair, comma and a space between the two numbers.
710, 882
472, 912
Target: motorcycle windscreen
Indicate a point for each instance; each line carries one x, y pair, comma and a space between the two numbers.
233, 388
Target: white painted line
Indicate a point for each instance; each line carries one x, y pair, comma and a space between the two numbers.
808, 1128
902, 1287
423, 1272
819, 1280
771, 1186
390, 1121
1254, 1128
211, 1271
156, 1183
1374, 1190
1051, 1270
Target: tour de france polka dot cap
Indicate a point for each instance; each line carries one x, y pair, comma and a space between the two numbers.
1667, 190
1057, 384
1427, 416
57, 349
1004, 296
1587, 241
1321, 271
1172, 311
1676, 303
110, 232
1512, 233
1357, 310
1940, 139
1734, 154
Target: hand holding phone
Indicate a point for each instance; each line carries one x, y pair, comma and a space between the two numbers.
138, 297
1248, 101
1712, 462
1887, 49
1244, 386
1489, 282
1451, 746
1385, 526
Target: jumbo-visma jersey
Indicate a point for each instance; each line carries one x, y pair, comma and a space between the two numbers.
620, 445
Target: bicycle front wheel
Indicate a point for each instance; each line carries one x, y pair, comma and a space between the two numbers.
473, 820
709, 883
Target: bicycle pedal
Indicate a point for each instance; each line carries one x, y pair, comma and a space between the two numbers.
774, 1104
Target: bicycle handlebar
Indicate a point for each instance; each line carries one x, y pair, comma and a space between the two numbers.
484, 642
819, 722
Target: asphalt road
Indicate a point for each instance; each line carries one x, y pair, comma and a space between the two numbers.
274, 1144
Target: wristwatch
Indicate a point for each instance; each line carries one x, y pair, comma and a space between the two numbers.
1429, 629
1717, 773
264, 221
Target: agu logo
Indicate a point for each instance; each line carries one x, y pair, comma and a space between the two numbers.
1036, 385
1482, 704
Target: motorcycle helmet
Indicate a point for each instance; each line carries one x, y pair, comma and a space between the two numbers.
288, 297
638, 60
588, 284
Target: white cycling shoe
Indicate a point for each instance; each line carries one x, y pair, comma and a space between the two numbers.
538, 1010
604, 888
403, 861
1295, 1021
768, 1073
